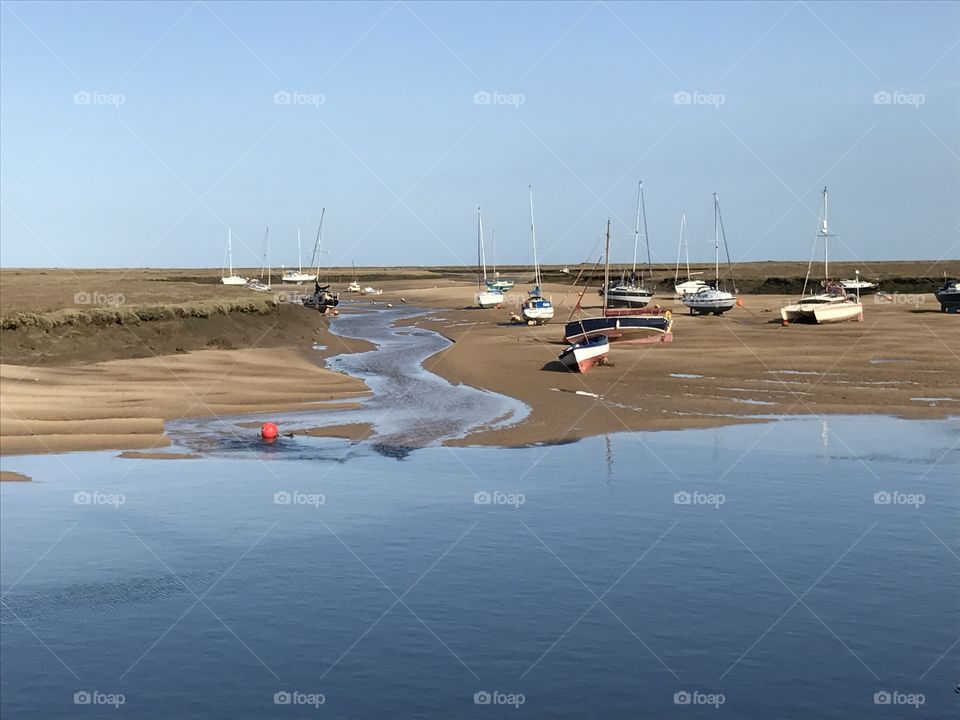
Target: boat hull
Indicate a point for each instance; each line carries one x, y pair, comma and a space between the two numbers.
690, 287
622, 329
583, 356
233, 280
627, 297
500, 285
487, 299
949, 297
822, 313
298, 278
709, 302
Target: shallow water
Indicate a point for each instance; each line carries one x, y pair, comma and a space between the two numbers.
793, 569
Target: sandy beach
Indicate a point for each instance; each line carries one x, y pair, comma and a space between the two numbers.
84, 386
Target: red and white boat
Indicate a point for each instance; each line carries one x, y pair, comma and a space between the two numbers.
583, 356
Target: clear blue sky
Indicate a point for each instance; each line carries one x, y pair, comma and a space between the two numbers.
400, 153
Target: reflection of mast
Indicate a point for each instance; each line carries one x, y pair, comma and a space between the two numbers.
824, 433
609, 458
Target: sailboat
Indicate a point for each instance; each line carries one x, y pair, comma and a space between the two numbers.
321, 299
228, 277
536, 309
584, 355
689, 285
498, 283
628, 325
257, 283
711, 300
354, 287
627, 292
487, 297
831, 306
298, 275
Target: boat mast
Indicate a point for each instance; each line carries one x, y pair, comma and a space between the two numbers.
299, 259
636, 228
533, 236
826, 236
481, 260
606, 268
716, 240
494, 253
230, 249
646, 236
319, 244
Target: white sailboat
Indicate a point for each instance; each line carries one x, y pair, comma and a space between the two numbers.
689, 285
711, 300
628, 292
354, 286
298, 275
257, 283
486, 297
832, 305
536, 309
227, 276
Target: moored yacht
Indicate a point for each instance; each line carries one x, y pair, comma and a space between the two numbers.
949, 296
536, 309
486, 297
711, 299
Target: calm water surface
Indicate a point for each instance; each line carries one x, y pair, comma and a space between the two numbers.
752, 567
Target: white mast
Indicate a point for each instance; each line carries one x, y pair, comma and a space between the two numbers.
716, 237
230, 250
481, 256
636, 229
323, 212
826, 236
533, 236
606, 269
299, 260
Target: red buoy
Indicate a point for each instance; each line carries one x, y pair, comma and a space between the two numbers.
269, 431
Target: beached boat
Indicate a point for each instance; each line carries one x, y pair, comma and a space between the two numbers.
832, 305
536, 309
298, 275
624, 326
711, 299
227, 276
354, 286
257, 283
629, 291
498, 283
486, 297
584, 355
688, 286
371, 291
858, 286
949, 296
322, 299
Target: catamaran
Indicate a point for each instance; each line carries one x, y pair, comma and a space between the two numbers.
711, 300
486, 297
228, 277
298, 275
833, 305
626, 325
689, 285
536, 309
257, 283
627, 292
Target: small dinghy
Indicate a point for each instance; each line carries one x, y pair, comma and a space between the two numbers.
582, 356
